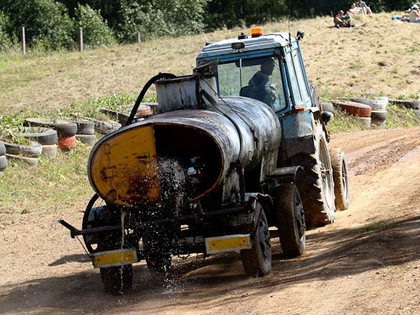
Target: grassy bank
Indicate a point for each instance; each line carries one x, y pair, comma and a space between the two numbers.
380, 57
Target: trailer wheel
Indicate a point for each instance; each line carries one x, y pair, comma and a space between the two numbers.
257, 260
117, 280
341, 180
316, 184
290, 218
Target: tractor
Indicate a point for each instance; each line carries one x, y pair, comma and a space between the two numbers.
236, 154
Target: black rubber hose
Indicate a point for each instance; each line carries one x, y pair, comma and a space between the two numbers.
143, 92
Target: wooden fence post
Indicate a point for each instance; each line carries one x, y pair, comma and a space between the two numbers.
138, 39
23, 40
80, 39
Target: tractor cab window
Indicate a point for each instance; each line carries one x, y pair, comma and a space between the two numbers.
257, 78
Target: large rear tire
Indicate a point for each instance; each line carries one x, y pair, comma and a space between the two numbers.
257, 260
316, 184
290, 219
341, 180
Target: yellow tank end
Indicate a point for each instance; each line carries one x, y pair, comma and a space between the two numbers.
124, 168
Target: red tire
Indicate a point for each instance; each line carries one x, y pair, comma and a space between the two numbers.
355, 109
144, 110
66, 143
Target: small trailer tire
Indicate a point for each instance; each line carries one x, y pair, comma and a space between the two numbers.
257, 260
290, 219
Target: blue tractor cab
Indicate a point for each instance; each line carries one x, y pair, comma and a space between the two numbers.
239, 59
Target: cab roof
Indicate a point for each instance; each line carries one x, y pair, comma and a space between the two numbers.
262, 42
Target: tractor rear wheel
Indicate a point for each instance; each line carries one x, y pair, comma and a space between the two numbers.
315, 184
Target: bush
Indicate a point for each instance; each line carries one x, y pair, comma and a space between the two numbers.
95, 30
5, 41
46, 22
154, 18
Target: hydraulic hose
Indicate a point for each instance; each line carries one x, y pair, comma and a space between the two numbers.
143, 93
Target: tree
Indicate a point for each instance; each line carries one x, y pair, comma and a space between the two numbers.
95, 30
46, 22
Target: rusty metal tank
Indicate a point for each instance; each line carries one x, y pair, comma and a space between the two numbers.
124, 167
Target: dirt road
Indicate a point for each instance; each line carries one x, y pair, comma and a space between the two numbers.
367, 262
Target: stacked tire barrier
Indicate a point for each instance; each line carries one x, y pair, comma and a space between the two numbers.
47, 137
3, 158
66, 130
86, 132
104, 127
369, 109
410, 104
28, 153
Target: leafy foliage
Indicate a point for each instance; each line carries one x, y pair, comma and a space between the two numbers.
47, 22
95, 31
5, 40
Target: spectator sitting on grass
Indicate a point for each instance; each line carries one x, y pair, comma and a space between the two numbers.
341, 20
414, 15
363, 6
354, 9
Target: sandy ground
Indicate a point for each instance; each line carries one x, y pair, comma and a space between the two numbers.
367, 262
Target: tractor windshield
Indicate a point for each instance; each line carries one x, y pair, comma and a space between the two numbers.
257, 78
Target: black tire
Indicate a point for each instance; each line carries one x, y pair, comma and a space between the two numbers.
257, 260
290, 219
89, 140
375, 102
65, 128
3, 162
85, 127
121, 117
97, 215
104, 127
407, 103
2, 149
42, 135
117, 280
32, 150
379, 115
315, 184
28, 160
341, 179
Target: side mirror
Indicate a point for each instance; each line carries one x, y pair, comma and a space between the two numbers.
300, 35
326, 117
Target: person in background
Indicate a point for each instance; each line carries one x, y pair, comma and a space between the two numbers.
363, 6
341, 20
414, 15
354, 9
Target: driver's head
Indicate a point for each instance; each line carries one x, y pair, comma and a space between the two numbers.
267, 66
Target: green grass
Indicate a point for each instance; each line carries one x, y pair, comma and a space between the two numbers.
51, 184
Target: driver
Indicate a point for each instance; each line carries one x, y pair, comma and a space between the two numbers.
260, 84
